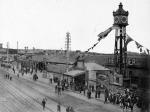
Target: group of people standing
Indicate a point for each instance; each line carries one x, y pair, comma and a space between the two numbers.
126, 100
7, 76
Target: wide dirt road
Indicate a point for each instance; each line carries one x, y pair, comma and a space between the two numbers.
22, 95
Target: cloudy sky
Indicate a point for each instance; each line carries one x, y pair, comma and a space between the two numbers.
44, 23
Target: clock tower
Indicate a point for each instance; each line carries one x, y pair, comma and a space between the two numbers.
120, 50
120, 17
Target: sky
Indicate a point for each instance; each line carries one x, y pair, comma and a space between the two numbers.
43, 24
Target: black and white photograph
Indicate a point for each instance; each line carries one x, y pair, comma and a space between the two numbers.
74, 55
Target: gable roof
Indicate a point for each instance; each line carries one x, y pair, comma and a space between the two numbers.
58, 68
94, 66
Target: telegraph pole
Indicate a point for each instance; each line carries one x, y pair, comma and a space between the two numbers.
17, 55
68, 44
7, 54
7, 51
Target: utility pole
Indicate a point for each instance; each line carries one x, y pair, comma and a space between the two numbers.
17, 56
67, 45
7, 51
7, 54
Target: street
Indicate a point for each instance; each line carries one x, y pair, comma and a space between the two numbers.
22, 95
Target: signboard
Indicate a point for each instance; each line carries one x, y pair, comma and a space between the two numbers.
118, 79
92, 75
103, 80
44, 74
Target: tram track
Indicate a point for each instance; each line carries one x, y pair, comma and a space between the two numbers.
41, 94
9, 96
28, 83
21, 98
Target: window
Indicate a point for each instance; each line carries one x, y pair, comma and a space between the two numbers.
117, 79
112, 60
131, 61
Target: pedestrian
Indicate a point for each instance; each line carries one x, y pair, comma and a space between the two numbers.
10, 77
67, 109
71, 109
51, 80
106, 95
18, 75
99, 93
56, 88
13, 70
96, 93
89, 93
43, 103
6, 76
110, 98
58, 108
84, 90
59, 90
80, 89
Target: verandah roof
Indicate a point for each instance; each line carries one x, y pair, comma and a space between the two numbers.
74, 73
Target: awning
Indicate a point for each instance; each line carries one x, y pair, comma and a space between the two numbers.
74, 73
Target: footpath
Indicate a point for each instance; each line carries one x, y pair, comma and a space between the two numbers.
46, 82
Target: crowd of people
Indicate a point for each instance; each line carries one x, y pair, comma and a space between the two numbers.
126, 99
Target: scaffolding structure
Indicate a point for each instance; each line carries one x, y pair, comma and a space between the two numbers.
67, 48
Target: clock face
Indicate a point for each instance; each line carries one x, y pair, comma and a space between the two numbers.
124, 19
116, 19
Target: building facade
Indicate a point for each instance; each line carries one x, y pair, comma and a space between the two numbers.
137, 72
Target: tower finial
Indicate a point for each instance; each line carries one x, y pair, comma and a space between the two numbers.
120, 5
